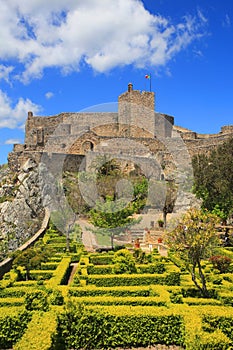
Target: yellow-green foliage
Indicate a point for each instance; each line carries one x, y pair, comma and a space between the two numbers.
59, 273
108, 300
123, 291
39, 333
201, 301
13, 322
41, 274
84, 260
134, 279
212, 341
25, 284
93, 328
11, 301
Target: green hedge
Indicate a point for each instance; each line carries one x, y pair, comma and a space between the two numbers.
133, 279
99, 269
151, 268
49, 265
201, 301
222, 322
12, 292
103, 259
61, 247
39, 333
12, 327
132, 291
112, 300
11, 302
79, 328
60, 274
226, 298
37, 275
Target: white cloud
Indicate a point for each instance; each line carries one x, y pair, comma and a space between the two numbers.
5, 72
12, 141
227, 21
49, 95
103, 34
14, 116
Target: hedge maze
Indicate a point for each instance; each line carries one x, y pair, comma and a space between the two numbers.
115, 299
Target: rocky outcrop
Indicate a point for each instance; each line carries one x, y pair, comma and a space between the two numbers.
21, 209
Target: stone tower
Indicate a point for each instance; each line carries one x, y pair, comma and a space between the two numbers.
136, 108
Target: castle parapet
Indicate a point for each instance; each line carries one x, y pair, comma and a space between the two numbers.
227, 129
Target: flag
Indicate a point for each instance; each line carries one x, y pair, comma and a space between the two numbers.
147, 76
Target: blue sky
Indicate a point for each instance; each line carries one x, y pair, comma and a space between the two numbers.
64, 56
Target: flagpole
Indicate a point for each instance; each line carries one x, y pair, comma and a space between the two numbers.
150, 81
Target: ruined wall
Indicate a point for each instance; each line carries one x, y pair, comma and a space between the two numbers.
79, 133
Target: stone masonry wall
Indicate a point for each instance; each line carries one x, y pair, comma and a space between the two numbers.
78, 133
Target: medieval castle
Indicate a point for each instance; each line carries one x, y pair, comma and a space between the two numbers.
76, 134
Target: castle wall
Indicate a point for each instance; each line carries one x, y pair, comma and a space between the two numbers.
79, 133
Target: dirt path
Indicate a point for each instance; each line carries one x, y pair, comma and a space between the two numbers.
88, 237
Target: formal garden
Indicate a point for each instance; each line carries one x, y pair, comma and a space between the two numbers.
55, 299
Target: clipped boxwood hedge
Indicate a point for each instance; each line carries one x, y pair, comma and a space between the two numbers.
60, 274
102, 259
99, 269
133, 301
39, 333
12, 326
133, 279
82, 329
123, 291
37, 275
49, 265
151, 268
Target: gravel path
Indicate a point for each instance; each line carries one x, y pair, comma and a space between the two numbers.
88, 237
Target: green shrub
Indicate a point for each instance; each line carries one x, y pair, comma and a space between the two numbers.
195, 293
221, 263
176, 297
222, 322
103, 259
80, 328
124, 262
11, 302
12, 327
12, 292
49, 265
132, 291
226, 298
60, 275
172, 279
133, 280
114, 300
152, 268
141, 257
39, 334
212, 341
36, 300
37, 275
99, 269
56, 297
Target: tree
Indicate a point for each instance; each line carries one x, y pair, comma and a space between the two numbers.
124, 262
213, 179
171, 195
105, 166
193, 240
64, 220
31, 258
112, 217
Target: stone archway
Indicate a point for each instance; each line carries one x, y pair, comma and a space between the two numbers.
87, 146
